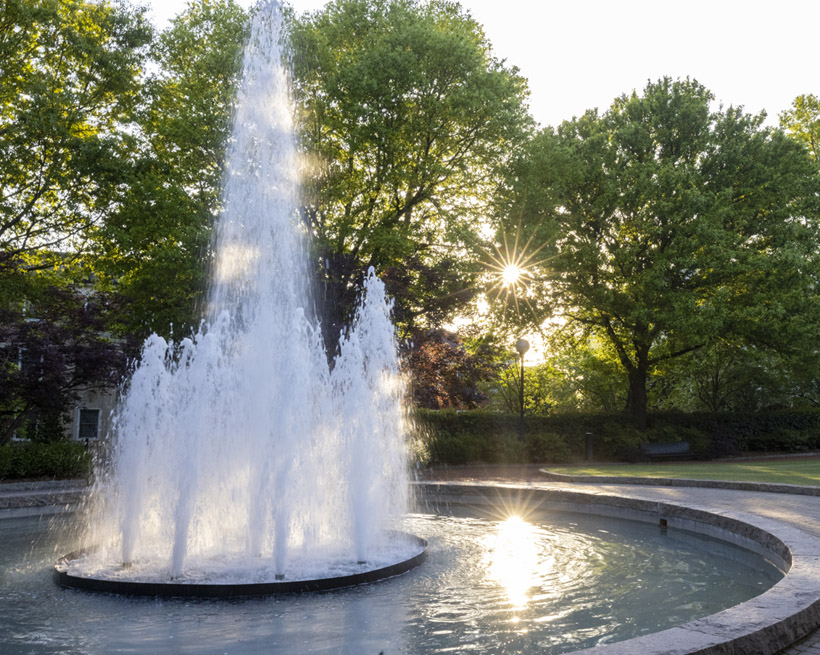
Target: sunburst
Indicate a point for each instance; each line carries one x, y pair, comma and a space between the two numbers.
510, 275
512, 270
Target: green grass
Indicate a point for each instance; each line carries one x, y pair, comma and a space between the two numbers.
803, 470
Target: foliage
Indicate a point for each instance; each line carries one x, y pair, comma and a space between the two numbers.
460, 437
450, 437
57, 461
52, 347
591, 378
426, 291
735, 377
405, 115
802, 122
665, 224
444, 373
563, 382
69, 82
575, 375
156, 245
506, 391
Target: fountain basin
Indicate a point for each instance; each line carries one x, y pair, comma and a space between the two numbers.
765, 624
380, 614
413, 553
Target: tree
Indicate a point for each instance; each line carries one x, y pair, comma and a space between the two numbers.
69, 79
404, 116
445, 373
69, 84
53, 346
156, 246
802, 122
724, 376
667, 224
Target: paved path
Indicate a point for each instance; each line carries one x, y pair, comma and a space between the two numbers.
37, 498
801, 512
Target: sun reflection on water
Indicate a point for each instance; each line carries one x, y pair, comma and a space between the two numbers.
513, 559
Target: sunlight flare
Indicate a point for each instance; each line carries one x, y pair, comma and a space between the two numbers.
511, 274
513, 559
512, 267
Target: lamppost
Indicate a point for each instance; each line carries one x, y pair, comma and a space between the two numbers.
522, 346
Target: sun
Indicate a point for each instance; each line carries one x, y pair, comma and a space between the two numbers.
512, 268
512, 559
511, 274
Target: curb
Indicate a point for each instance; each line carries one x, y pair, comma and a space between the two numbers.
766, 487
23, 499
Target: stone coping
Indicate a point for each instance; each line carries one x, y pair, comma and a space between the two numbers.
770, 487
21, 499
763, 625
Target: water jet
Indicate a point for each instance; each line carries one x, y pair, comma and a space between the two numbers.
235, 461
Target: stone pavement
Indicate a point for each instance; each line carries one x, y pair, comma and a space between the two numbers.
38, 498
808, 646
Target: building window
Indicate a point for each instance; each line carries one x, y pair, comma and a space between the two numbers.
89, 424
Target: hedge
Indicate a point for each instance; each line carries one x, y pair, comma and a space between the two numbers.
57, 460
462, 437
452, 437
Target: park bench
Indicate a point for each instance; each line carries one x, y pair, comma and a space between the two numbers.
669, 450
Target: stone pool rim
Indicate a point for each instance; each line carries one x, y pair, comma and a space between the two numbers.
171, 589
650, 481
764, 625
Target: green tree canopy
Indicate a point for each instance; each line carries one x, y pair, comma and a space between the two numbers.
802, 122
69, 82
156, 245
405, 114
667, 224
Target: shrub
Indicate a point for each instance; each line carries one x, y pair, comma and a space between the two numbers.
547, 447
452, 437
55, 460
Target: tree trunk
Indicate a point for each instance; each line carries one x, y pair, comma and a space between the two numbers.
9, 426
637, 395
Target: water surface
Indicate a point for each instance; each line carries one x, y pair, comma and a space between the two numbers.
551, 584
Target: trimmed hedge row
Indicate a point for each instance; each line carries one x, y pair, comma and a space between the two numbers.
451, 437
57, 460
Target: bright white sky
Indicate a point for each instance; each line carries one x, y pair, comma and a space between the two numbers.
580, 54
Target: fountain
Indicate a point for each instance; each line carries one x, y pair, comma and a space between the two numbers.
242, 462
244, 465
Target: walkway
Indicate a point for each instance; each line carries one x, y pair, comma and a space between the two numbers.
38, 498
798, 511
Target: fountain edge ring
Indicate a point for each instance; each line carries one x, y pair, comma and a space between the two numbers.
241, 590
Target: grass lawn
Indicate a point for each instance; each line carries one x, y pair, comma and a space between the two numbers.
797, 470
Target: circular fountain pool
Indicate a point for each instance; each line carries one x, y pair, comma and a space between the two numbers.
552, 582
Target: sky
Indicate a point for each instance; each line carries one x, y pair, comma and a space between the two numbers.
582, 54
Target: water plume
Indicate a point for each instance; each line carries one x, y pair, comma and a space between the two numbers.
241, 444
